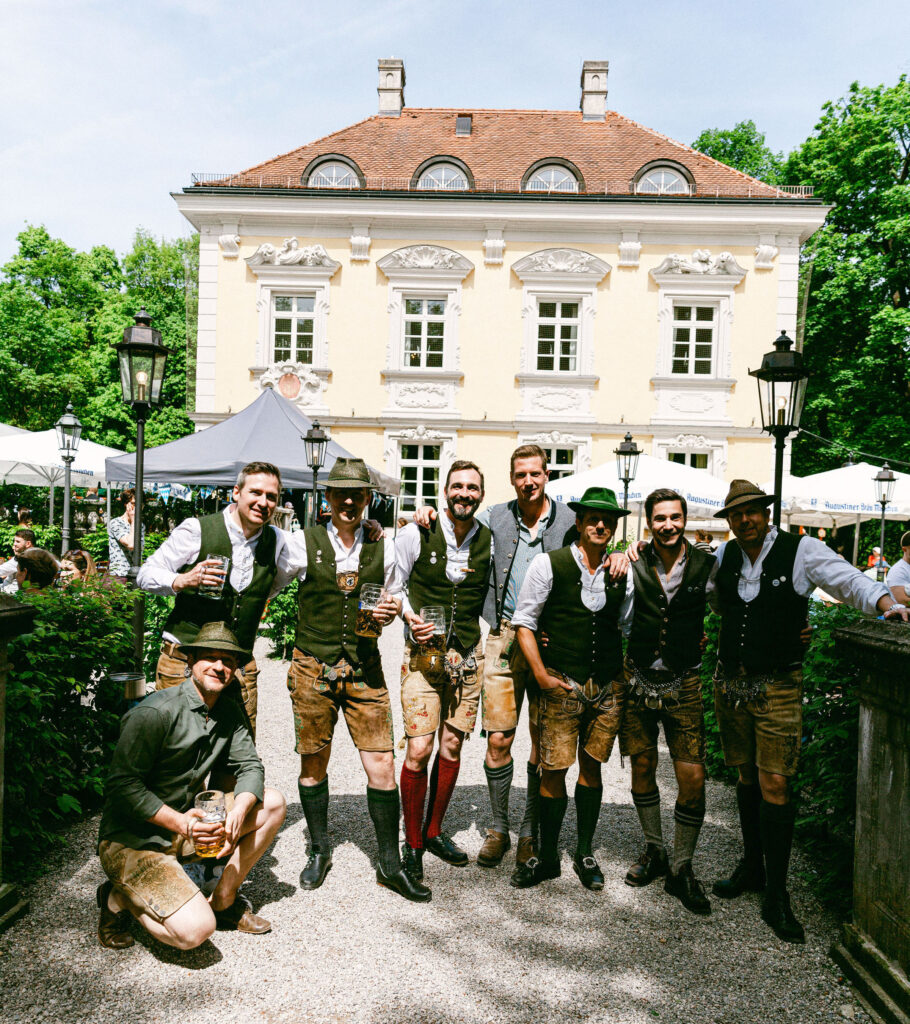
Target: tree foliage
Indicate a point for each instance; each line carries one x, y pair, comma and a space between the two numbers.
856, 271
743, 147
61, 312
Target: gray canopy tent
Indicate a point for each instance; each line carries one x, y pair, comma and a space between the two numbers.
271, 429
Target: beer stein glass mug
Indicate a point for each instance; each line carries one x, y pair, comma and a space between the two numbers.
437, 615
211, 803
213, 591
371, 596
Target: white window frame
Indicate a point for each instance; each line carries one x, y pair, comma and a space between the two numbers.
552, 440
294, 316
558, 322
422, 497
422, 434
693, 325
689, 454
318, 169
550, 169
458, 182
715, 447
424, 318
662, 190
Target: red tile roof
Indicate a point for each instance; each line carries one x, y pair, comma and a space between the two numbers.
502, 145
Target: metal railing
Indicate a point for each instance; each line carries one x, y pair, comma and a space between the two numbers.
487, 186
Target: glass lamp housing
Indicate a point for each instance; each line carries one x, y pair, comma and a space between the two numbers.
142, 358
627, 459
315, 441
781, 379
69, 430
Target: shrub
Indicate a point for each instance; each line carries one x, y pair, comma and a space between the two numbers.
280, 622
46, 537
62, 713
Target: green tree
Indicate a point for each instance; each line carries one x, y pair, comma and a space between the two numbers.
742, 147
856, 277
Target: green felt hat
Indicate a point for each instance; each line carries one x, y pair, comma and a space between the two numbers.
600, 499
215, 636
349, 474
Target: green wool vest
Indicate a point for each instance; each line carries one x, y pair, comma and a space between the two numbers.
580, 643
241, 611
326, 614
463, 602
669, 630
762, 635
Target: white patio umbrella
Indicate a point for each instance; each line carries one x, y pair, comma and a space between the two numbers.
703, 492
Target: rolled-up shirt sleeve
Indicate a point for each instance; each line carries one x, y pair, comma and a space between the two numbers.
819, 566
182, 548
390, 567
407, 548
290, 559
142, 735
534, 592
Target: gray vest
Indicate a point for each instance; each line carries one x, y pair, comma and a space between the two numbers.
504, 527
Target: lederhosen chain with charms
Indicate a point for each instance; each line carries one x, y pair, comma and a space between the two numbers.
760, 638
654, 686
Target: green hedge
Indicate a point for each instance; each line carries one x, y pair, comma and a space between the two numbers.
825, 784
46, 536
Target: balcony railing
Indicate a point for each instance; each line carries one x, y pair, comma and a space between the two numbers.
505, 186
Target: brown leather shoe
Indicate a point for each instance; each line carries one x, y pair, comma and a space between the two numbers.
493, 849
239, 917
525, 850
113, 929
650, 865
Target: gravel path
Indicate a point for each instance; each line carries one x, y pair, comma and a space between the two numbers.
479, 952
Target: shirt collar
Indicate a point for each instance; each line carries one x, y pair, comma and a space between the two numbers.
332, 531
448, 528
234, 530
191, 695
579, 557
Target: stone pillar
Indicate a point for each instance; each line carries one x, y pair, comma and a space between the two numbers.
15, 618
874, 950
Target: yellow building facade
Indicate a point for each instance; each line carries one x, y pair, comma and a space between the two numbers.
441, 312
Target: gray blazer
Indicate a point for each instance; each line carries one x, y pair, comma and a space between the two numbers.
504, 525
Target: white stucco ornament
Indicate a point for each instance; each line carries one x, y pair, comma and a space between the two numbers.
294, 381
290, 255
230, 245
701, 262
561, 261
765, 256
424, 257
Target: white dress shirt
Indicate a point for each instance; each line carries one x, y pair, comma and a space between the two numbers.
539, 582
346, 559
407, 551
815, 565
8, 570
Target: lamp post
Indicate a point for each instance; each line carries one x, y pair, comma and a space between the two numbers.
781, 381
884, 481
69, 430
315, 441
626, 467
142, 358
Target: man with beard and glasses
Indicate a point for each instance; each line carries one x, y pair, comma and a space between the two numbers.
763, 581
446, 567
672, 582
569, 596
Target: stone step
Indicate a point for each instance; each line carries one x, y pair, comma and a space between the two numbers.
881, 984
11, 907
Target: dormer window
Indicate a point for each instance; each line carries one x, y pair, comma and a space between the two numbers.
552, 178
332, 173
463, 124
663, 180
443, 176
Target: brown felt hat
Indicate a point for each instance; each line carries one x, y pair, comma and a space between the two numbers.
215, 636
743, 492
349, 474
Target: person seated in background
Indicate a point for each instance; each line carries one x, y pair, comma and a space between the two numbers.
876, 559
37, 569
898, 580
75, 565
23, 539
150, 826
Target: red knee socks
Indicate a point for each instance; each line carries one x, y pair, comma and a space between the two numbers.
413, 788
442, 784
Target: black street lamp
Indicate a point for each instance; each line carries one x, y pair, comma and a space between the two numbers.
69, 430
315, 441
626, 467
142, 358
782, 381
884, 481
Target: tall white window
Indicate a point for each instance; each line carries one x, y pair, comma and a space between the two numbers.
419, 464
293, 328
560, 461
424, 333
697, 460
693, 340
557, 336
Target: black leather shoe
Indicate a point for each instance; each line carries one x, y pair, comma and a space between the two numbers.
317, 867
533, 872
746, 877
441, 846
589, 873
777, 914
650, 865
412, 862
688, 890
402, 883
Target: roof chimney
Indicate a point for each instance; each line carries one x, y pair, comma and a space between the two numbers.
594, 90
391, 87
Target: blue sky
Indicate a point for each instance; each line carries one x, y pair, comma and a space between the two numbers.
107, 107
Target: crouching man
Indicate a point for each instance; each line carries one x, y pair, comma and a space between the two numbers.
168, 746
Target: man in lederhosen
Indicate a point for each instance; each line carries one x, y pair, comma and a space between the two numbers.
763, 581
569, 596
258, 568
336, 667
671, 578
445, 566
